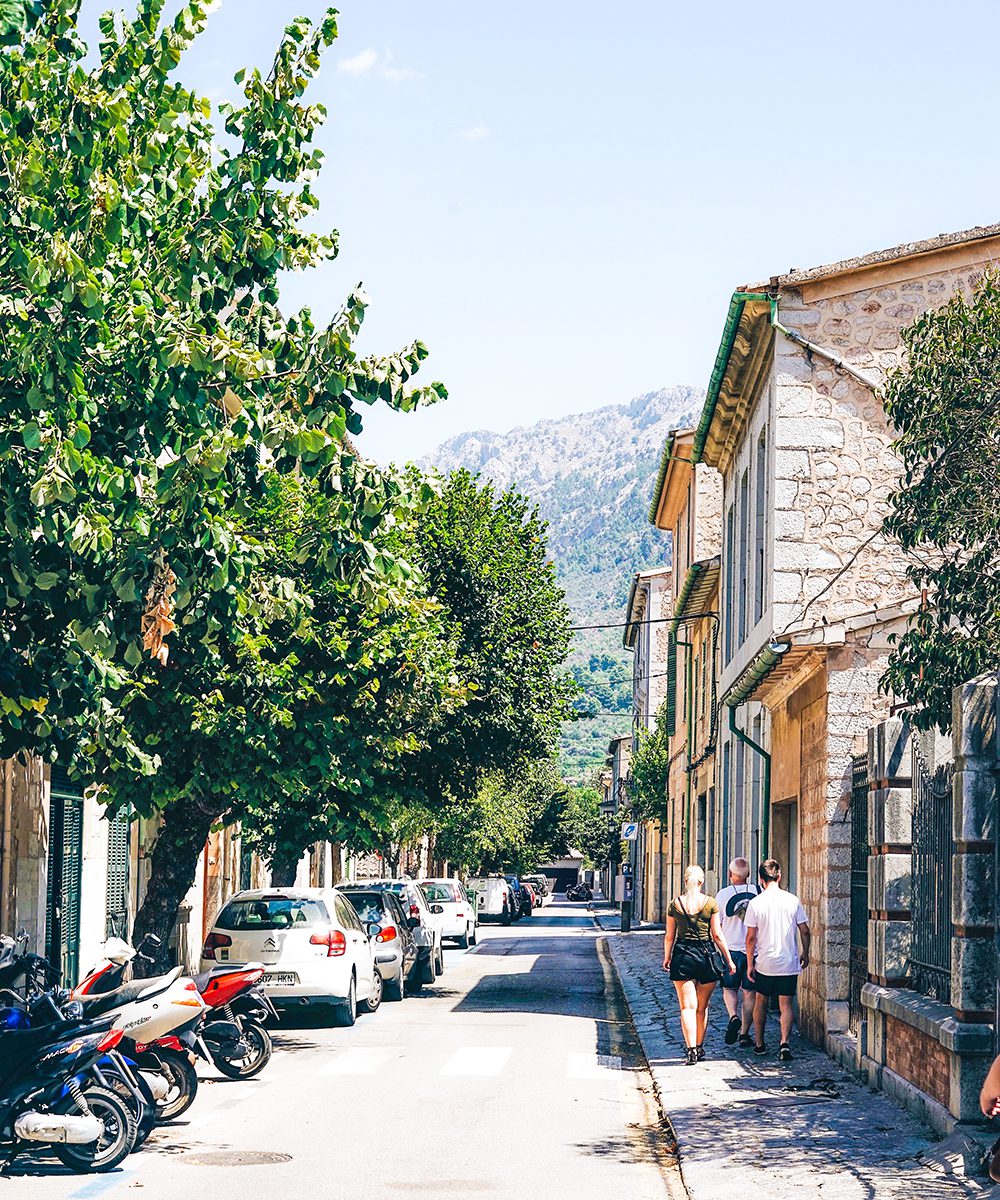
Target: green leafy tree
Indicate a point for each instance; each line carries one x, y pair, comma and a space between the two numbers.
944, 401
150, 385
649, 771
586, 828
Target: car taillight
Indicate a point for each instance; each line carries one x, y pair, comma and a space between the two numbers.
213, 942
111, 1039
387, 934
333, 940
414, 910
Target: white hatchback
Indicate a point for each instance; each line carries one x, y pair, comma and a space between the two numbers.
452, 909
312, 942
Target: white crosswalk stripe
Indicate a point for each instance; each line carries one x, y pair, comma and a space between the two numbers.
477, 1060
359, 1060
591, 1066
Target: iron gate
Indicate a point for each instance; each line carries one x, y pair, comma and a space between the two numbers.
859, 888
62, 910
933, 847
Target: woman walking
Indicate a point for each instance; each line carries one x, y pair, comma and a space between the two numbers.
692, 960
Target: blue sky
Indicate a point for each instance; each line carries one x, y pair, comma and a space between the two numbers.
560, 197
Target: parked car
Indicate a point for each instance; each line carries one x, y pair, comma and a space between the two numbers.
312, 942
494, 899
422, 922
458, 920
541, 887
397, 957
523, 904
532, 899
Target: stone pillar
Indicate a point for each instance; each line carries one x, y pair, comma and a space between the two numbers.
890, 833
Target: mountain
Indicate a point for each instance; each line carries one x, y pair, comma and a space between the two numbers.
592, 477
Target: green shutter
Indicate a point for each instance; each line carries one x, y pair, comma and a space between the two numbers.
116, 906
671, 684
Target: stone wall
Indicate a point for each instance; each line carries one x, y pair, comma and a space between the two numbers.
918, 1057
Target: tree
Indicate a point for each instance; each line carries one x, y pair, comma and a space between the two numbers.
150, 387
649, 770
944, 401
586, 828
486, 562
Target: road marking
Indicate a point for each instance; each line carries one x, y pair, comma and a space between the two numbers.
98, 1187
591, 1066
359, 1060
477, 1060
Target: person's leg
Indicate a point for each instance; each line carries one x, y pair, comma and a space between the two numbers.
687, 998
731, 997
749, 999
785, 1003
759, 1017
705, 991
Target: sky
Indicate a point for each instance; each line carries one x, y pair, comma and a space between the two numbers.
559, 198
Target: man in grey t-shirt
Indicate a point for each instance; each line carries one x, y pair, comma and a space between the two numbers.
732, 902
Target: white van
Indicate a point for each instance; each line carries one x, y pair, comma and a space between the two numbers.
495, 900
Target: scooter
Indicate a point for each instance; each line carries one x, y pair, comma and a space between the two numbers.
232, 1036
47, 1098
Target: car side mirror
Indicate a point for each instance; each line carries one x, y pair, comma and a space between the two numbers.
437, 908
413, 922
374, 929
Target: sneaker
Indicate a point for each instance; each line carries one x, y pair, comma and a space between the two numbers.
785, 1053
692, 1058
701, 1053
760, 1050
732, 1031
746, 1041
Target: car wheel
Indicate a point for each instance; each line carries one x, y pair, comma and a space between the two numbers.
505, 916
474, 935
375, 995
395, 989
439, 962
463, 941
425, 972
346, 1013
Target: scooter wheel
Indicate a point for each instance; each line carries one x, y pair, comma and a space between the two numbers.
114, 1144
254, 1061
183, 1081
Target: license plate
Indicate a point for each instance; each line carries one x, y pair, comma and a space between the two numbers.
280, 979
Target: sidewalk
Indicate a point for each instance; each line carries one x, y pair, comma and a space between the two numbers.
748, 1126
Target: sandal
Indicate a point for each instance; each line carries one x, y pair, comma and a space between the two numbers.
692, 1057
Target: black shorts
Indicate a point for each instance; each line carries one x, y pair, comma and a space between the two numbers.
689, 961
738, 979
775, 985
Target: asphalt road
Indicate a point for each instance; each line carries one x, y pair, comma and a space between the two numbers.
516, 1075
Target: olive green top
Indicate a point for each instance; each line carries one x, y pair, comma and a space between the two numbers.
697, 928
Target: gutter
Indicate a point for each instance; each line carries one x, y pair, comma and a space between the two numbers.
666, 458
831, 356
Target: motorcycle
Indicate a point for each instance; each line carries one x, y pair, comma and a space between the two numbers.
47, 1097
235, 1040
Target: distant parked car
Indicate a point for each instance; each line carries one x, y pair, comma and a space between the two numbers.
312, 942
422, 922
541, 887
524, 905
532, 901
495, 899
397, 958
458, 920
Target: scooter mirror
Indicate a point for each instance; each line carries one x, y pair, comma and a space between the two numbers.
118, 951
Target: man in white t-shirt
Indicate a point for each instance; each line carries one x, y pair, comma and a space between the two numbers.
732, 902
775, 920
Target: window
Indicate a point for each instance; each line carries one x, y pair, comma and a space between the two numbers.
760, 516
702, 831
744, 564
274, 912
710, 835
729, 613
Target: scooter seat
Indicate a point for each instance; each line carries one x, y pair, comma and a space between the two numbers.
138, 989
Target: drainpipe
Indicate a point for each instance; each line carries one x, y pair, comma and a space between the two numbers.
8, 805
765, 822
686, 811
831, 356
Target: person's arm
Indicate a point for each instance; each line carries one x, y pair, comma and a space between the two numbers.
668, 942
989, 1097
720, 941
751, 949
805, 933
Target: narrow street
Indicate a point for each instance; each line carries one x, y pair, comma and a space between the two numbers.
516, 1075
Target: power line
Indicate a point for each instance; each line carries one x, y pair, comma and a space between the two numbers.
645, 621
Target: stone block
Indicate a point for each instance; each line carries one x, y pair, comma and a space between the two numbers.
973, 974
889, 944
967, 1075
838, 1017
890, 882
786, 492
889, 749
786, 586
974, 799
789, 523
890, 817
791, 464
808, 433
972, 898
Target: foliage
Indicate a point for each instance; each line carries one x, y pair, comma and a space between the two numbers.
513, 822
485, 559
945, 404
587, 829
148, 378
649, 771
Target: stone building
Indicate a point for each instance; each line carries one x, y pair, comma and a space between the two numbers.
687, 502
811, 589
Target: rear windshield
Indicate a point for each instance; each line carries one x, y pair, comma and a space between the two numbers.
370, 906
436, 892
277, 912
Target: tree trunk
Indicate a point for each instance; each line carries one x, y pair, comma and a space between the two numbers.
283, 869
173, 863
335, 863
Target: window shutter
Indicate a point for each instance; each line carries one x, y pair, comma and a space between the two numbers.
671, 684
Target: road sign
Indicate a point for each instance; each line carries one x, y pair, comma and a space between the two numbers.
630, 831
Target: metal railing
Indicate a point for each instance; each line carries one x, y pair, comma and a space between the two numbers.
933, 847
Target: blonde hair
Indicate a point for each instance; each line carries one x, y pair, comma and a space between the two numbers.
694, 880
